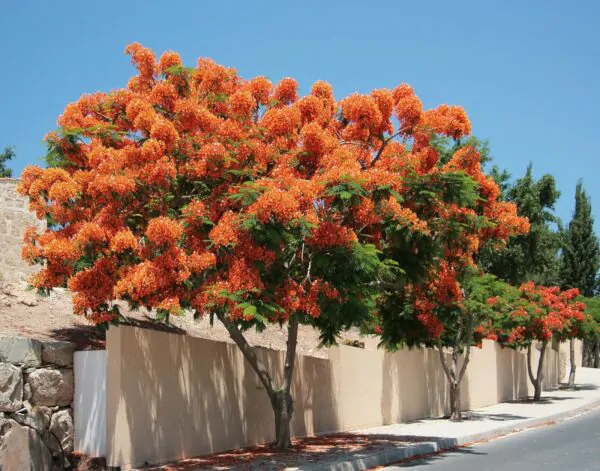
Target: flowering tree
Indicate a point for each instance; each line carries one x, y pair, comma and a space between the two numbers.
194, 190
461, 212
537, 314
453, 325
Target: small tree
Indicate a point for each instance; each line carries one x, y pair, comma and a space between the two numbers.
537, 314
445, 308
8, 154
464, 326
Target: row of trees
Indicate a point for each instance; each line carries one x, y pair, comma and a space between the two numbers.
551, 254
194, 190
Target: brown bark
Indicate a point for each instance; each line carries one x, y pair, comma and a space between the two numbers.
538, 380
283, 408
454, 374
573, 365
455, 409
589, 352
280, 398
283, 404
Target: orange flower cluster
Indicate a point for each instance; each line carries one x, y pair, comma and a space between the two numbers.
447, 120
191, 187
163, 230
542, 313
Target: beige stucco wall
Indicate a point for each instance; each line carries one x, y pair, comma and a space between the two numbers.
172, 396
564, 358
14, 218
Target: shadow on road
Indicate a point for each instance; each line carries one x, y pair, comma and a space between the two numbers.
435, 457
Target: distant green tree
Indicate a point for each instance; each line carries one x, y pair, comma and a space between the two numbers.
580, 258
8, 154
533, 256
591, 345
580, 262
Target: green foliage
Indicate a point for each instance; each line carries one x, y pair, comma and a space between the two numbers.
580, 258
592, 309
463, 325
397, 322
8, 154
533, 256
351, 270
447, 147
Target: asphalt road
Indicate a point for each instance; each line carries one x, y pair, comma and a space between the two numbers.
570, 445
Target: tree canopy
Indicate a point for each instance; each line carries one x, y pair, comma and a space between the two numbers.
8, 154
580, 258
532, 256
195, 190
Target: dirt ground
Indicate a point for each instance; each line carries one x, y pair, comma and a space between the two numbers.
24, 313
311, 452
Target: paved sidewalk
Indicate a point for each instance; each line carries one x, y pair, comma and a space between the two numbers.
485, 423
380, 446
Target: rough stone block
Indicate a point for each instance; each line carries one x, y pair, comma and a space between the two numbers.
58, 353
51, 387
11, 387
26, 392
37, 417
22, 449
20, 351
61, 429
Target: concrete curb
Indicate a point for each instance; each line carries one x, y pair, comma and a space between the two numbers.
386, 458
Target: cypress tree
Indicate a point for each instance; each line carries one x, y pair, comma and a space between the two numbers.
580, 258
580, 261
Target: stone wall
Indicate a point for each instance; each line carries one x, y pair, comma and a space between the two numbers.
36, 400
14, 218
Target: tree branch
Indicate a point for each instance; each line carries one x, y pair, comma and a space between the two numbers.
443, 361
249, 353
540, 368
290, 353
289, 264
307, 277
463, 368
104, 117
384, 145
529, 370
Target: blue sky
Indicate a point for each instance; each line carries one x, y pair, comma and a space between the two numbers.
527, 72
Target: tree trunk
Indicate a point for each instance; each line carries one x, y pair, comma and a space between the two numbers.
283, 404
537, 391
454, 374
455, 410
537, 381
573, 365
281, 398
590, 352
597, 353
283, 407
